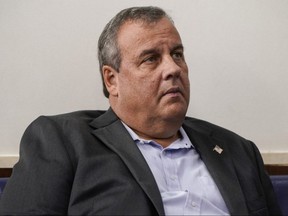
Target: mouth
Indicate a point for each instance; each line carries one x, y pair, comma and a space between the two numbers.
173, 91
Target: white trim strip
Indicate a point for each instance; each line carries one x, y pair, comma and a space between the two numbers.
279, 158
8, 161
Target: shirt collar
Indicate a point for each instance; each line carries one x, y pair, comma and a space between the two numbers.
183, 142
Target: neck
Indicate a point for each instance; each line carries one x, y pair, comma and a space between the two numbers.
162, 132
164, 142
163, 129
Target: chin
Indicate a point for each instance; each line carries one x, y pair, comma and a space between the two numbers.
176, 113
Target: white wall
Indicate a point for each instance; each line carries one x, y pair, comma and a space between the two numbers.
236, 50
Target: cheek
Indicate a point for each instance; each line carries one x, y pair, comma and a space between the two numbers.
186, 85
145, 82
146, 92
152, 84
185, 80
146, 88
139, 84
130, 88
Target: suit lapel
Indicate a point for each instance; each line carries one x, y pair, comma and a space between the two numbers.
109, 129
113, 134
220, 166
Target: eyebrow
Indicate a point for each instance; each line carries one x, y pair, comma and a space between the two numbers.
179, 46
147, 52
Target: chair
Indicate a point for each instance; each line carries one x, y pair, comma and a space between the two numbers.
3, 182
280, 184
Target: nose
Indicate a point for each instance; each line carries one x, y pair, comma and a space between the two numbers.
171, 70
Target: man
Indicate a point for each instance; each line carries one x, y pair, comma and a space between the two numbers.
142, 156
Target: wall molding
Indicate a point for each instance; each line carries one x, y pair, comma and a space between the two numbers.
279, 158
8, 161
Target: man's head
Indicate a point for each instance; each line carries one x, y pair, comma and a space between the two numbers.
108, 50
143, 69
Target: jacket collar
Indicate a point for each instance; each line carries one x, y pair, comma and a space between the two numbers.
110, 130
220, 165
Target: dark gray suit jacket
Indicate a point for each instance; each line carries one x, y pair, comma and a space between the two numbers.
85, 163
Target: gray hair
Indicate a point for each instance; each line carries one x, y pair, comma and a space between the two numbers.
108, 50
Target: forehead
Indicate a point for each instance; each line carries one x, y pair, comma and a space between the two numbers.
136, 34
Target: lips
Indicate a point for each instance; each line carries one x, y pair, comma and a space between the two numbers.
173, 90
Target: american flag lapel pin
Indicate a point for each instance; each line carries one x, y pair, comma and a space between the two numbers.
218, 149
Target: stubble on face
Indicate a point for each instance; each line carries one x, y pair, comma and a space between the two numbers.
153, 84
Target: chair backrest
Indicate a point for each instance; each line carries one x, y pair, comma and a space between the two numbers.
280, 184
3, 182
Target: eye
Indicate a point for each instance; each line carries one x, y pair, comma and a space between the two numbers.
178, 55
151, 59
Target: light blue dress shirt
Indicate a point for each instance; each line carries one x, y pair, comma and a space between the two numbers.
184, 182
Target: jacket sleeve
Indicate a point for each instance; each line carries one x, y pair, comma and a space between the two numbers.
271, 199
41, 181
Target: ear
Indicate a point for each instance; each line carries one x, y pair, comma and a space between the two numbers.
110, 77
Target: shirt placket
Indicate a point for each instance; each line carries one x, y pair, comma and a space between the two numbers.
170, 171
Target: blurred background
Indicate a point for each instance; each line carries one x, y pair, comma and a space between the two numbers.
236, 51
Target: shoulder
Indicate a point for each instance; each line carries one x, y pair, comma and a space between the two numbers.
232, 141
209, 128
76, 116
72, 122
68, 131
80, 115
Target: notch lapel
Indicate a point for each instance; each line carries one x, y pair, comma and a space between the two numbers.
113, 134
221, 168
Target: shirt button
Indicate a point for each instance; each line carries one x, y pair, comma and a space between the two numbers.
194, 204
173, 178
